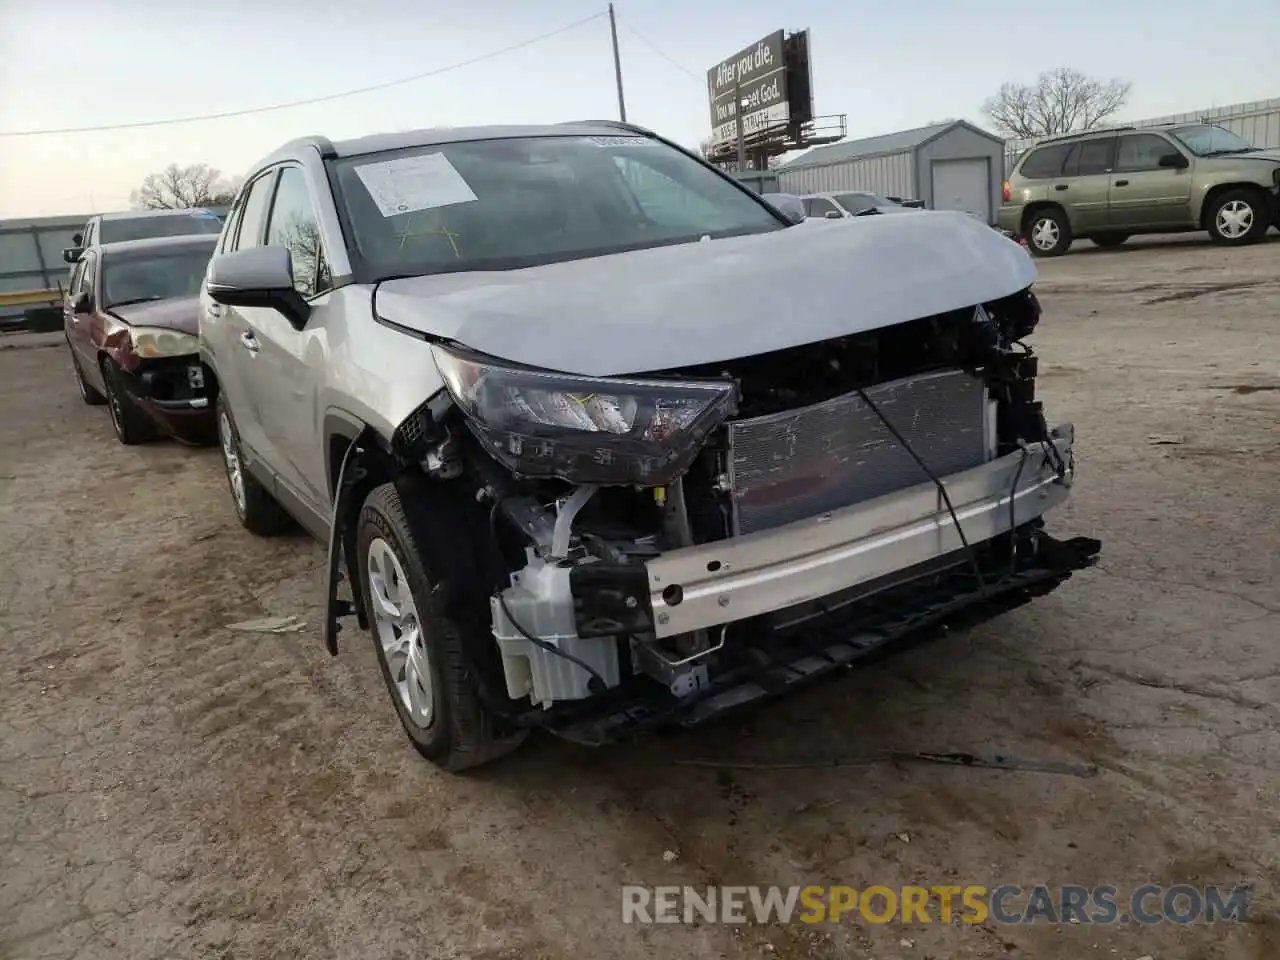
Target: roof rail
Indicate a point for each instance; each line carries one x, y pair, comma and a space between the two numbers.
620, 124
1083, 133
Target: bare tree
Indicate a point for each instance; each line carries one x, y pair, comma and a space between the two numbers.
1060, 101
181, 188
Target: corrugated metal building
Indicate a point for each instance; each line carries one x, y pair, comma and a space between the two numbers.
31, 255
1257, 121
950, 166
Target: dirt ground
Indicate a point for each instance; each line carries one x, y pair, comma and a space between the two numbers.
172, 788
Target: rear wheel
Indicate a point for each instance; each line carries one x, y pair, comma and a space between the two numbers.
87, 393
131, 424
1048, 232
256, 508
1109, 240
422, 650
1237, 217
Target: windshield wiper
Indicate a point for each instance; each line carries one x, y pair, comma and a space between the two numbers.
126, 303
1223, 153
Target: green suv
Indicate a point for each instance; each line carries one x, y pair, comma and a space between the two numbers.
1107, 185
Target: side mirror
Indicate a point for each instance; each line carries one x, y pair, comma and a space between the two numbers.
833, 215
83, 303
72, 254
1175, 161
258, 277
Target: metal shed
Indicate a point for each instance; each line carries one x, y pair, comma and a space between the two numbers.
950, 166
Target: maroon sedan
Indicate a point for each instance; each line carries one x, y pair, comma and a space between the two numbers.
132, 322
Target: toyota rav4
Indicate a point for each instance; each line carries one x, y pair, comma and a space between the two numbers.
600, 441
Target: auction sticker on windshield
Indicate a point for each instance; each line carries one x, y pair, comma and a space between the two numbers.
414, 183
619, 141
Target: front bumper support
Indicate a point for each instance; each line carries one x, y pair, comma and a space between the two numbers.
780, 661
704, 586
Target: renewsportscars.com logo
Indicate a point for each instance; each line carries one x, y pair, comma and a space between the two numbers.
1004, 904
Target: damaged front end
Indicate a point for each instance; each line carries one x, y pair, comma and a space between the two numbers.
694, 540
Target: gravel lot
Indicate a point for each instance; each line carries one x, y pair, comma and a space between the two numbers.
173, 788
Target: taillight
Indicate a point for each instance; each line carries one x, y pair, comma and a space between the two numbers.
1006, 192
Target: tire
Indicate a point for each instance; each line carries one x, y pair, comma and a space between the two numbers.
257, 510
87, 393
1048, 232
131, 424
1238, 217
1109, 241
439, 705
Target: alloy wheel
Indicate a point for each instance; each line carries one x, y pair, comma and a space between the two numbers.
115, 407
1234, 219
231, 457
399, 631
1044, 234
80, 384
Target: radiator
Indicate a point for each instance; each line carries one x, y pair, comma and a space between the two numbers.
800, 463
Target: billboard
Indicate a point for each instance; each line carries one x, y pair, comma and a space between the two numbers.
758, 73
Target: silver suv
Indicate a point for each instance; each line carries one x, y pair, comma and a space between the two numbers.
598, 440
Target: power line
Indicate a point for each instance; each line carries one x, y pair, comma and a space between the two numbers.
312, 100
675, 63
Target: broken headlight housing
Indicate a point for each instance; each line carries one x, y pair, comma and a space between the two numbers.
600, 430
150, 343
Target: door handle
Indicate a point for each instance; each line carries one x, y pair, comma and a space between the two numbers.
1121, 183
1059, 186
249, 342
215, 309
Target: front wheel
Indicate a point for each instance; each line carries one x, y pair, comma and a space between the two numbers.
421, 650
131, 424
1238, 217
1048, 233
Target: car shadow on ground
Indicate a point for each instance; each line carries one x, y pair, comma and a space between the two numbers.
1187, 241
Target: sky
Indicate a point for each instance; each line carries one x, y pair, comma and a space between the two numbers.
887, 66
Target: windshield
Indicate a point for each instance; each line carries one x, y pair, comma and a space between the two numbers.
137, 278
1205, 139
853, 202
505, 204
171, 225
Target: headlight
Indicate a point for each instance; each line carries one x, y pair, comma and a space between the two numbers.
150, 342
619, 431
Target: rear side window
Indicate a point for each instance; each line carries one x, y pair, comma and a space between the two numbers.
819, 207
253, 213
1088, 158
1044, 163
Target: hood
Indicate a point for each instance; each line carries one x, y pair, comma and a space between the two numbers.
178, 313
1264, 154
697, 303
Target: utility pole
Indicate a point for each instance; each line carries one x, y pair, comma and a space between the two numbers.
617, 65
737, 122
